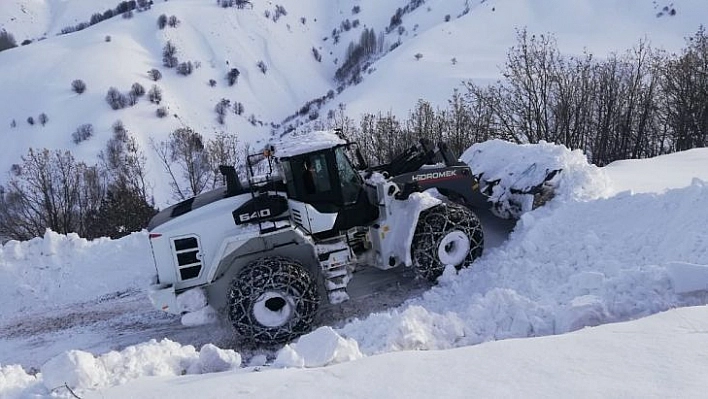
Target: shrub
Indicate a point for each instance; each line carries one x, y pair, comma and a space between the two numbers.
43, 118
137, 89
221, 108
168, 55
172, 22
212, 82
232, 76
185, 68
242, 3
161, 112
154, 74
162, 21
78, 86
317, 55
155, 94
82, 133
116, 99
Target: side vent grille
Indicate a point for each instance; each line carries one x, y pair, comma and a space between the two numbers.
188, 257
297, 217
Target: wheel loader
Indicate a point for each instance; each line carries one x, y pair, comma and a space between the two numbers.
269, 252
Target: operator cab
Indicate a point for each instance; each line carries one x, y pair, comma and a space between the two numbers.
326, 194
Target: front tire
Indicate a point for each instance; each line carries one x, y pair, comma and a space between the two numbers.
448, 234
272, 301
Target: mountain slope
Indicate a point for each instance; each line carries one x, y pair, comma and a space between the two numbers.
477, 36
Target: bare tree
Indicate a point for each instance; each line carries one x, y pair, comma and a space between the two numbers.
116, 99
185, 160
684, 81
223, 149
155, 94
169, 58
221, 109
49, 190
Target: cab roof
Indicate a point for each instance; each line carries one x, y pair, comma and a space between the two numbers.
293, 145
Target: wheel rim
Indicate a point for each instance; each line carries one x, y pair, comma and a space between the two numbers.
453, 248
273, 309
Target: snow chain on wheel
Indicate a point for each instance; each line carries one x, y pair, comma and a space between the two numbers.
448, 234
272, 301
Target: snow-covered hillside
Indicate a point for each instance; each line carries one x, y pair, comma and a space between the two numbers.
611, 247
37, 77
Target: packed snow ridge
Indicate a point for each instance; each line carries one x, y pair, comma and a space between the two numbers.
597, 253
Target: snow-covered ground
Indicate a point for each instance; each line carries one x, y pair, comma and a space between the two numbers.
624, 244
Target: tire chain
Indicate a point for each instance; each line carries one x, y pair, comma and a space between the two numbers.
276, 274
432, 226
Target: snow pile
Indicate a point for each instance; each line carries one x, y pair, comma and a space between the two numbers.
319, 348
509, 173
60, 269
81, 370
15, 382
580, 264
297, 143
662, 356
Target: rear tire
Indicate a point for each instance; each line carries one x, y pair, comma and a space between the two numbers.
272, 301
448, 234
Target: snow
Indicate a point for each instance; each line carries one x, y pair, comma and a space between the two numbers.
520, 321
319, 348
81, 370
659, 356
62, 269
298, 143
521, 167
602, 292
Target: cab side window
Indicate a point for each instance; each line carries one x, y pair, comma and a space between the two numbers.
316, 176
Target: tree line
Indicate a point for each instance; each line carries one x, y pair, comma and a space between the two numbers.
640, 104
111, 198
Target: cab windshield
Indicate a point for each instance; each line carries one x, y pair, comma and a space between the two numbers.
349, 179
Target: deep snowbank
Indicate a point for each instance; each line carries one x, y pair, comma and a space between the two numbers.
580, 264
60, 269
656, 357
82, 370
